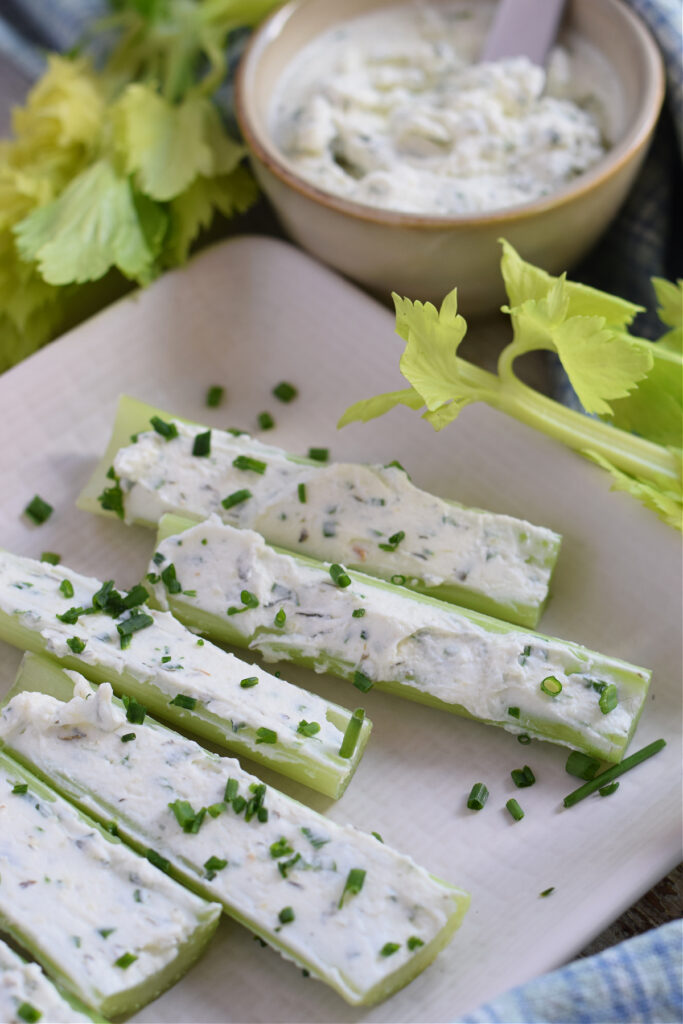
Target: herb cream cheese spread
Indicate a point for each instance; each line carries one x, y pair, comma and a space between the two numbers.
327, 895
27, 995
391, 109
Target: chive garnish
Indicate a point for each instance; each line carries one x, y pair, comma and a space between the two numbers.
181, 700
352, 733
66, 588
396, 465
547, 892
301, 491
582, 765
513, 712
135, 597
70, 616
136, 622
358, 613
280, 848
169, 579
38, 510
214, 396
414, 943
315, 841
248, 600
214, 864
20, 788
28, 1013
189, 820
135, 711
265, 421
377, 837
127, 737
202, 444
398, 580
231, 790
236, 498
319, 454
285, 392
286, 915
264, 735
111, 498
609, 698
125, 961
215, 809
479, 794
614, 772
362, 682
285, 865
551, 685
76, 644
238, 804
247, 463
523, 777
280, 617
389, 948
51, 557
158, 558
339, 575
515, 810
522, 659
608, 790
393, 541
248, 682
167, 430
353, 885
307, 728
106, 932
524, 739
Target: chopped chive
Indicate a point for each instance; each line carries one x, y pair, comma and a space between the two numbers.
358, 613
127, 737
202, 444
315, 841
319, 454
231, 790
353, 885
167, 430
301, 491
106, 932
38, 510
70, 616
523, 777
547, 892
285, 392
608, 790
515, 810
479, 794
352, 733
248, 682
393, 541
20, 788
214, 864
247, 463
513, 712
189, 820
339, 575
238, 804
248, 600
307, 728
280, 617
215, 809
609, 699
28, 1013
264, 735
262, 814
522, 659
135, 711
181, 700
136, 622
389, 948
362, 682
51, 557
236, 498
396, 465
265, 421
158, 557
614, 772
111, 498
169, 579
414, 943
66, 588
280, 848
135, 597
398, 579
285, 865
551, 686
524, 739
76, 644
214, 396
377, 837
125, 961
582, 765
286, 915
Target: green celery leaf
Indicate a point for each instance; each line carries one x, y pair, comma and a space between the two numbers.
92, 226
667, 503
670, 299
654, 410
194, 209
429, 361
370, 408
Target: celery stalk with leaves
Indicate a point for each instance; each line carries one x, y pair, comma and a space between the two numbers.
632, 386
114, 169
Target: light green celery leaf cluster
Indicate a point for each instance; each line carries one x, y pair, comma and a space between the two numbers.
616, 376
116, 171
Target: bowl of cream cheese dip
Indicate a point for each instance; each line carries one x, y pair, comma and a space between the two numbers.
393, 154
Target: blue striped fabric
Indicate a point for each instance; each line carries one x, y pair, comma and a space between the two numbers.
640, 981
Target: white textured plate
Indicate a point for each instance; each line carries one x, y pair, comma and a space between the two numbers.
248, 314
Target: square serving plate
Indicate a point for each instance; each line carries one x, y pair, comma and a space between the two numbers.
247, 314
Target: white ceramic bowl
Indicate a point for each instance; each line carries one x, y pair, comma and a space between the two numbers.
420, 256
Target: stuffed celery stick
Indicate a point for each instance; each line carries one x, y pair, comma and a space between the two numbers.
26, 994
375, 633
359, 916
104, 923
371, 518
159, 664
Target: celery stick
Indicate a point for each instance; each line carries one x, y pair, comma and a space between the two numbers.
70, 894
325, 895
177, 676
369, 517
27, 994
377, 634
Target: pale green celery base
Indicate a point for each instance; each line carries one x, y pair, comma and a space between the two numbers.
128, 1000
36, 674
330, 779
133, 416
221, 628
